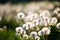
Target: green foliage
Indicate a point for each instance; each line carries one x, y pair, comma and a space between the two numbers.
55, 34
8, 35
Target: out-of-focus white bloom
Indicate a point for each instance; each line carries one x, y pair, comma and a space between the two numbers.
40, 33
19, 8
25, 27
20, 15
32, 26
35, 16
58, 25
56, 11
45, 31
45, 13
45, 24
33, 34
37, 38
5, 27
25, 36
24, 32
32, 7
42, 15
41, 23
58, 15
46, 5
36, 28
29, 24
47, 21
54, 21
19, 30
35, 22
29, 18
30, 12
39, 20
1, 29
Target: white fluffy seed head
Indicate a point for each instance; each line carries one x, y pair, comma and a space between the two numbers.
29, 24
24, 32
58, 15
58, 26
19, 30
35, 16
33, 34
20, 15
40, 33
41, 23
37, 38
45, 13
25, 27
29, 17
56, 11
54, 21
45, 31
42, 15
32, 26
25, 36
47, 19
35, 22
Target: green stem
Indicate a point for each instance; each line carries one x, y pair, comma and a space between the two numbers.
46, 37
42, 37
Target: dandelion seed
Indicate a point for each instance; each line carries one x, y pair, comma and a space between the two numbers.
33, 34
40, 33
35, 16
19, 30
29, 18
20, 15
41, 23
35, 22
47, 19
42, 15
56, 11
24, 32
25, 27
54, 21
45, 13
25, 36
45, 31
29, 24
58, 15
32, 26
37, 38
58, 25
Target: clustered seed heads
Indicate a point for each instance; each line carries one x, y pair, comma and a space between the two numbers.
36, 25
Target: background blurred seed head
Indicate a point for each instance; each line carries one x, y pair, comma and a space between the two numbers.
58, 25
45, 31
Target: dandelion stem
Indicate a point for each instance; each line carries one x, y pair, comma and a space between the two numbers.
46, 37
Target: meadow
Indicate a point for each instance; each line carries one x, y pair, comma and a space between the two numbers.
30, 21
